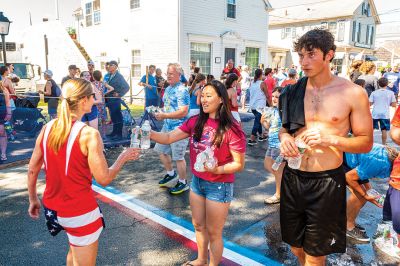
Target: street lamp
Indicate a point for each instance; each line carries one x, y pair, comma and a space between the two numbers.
4, 28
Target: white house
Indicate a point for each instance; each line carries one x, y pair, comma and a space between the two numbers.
352, 22
138, 33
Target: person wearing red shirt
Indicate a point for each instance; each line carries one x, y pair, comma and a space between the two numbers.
230, 69
291, 79
211, 190
71, 153
270, 83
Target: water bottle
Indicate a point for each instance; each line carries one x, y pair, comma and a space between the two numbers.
135, 137
378, 197
277, 163
145, 137
294, 162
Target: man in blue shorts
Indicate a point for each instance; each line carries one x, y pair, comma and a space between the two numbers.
375, 164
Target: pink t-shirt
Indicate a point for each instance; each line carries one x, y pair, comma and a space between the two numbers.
234, 140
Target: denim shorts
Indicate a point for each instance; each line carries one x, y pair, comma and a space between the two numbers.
272, 153
177, 149
215, 191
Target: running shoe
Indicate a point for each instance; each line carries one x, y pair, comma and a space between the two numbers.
262, 138
167, 180
179, 188
357, 235
362, 229
252, 142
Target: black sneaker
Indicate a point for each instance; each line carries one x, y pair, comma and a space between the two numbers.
167, 180
357, 235
262, 138
252, 142
179, 188
359, 227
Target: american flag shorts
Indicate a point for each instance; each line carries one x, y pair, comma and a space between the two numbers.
82, 230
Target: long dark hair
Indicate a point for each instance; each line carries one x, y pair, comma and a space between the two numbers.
224, 115
230, 79
199, 78
257, 74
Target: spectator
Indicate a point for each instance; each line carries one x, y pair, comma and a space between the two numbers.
371, 81
73, 70
195, 93
355, 70
360, 82
270, 84
161, 85
12, 76
176, 105
196, 71
291, 79
210, 78
244, 84
149, 83
90, 66
103, 89
381, 100
393, 77
5, 115
68, 199
51, 90
230, 84
230, 69
121, 87
257, 103
8, 85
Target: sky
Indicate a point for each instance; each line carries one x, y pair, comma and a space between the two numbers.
18, 10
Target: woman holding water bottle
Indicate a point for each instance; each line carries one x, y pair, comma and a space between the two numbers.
271, 121
72, 153
211, 189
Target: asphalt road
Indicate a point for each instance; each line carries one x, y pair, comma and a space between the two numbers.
135, 238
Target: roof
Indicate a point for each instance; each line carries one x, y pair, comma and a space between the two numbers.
391, 45
287, 12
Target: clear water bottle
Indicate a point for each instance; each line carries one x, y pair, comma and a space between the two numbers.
135, 137
378, 197
277, 163
294, 162
145, 137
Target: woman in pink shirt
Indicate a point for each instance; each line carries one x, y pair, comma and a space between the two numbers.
211, 191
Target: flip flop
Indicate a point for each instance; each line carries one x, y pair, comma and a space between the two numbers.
3, 157
189, 263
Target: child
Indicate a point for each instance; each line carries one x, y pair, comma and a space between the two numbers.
273, 123
382, 99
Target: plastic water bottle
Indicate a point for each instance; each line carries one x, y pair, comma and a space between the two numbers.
378, 197
135, 137
295, 162
277, 163
145, 137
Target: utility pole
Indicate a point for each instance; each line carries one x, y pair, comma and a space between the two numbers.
46, 51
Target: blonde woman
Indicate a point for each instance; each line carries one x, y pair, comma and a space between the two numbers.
371, 81
72, 153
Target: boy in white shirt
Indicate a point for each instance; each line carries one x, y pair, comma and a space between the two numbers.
381, 100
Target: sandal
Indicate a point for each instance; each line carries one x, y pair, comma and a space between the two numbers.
3, 157
272, 200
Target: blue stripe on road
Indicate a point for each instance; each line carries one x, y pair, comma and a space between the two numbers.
260, 258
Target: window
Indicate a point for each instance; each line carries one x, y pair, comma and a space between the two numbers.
252, 58
359, 32
231, 9
341, 27
10, 46
371, 35
135, 4
332, 27
353, 34
338, 64
367, 37
201, 54
288, 32
136, 63
324, 25
88, 13
96, 12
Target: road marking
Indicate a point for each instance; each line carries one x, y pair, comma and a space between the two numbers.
232, 251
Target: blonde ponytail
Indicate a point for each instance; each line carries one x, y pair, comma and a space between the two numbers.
73, 90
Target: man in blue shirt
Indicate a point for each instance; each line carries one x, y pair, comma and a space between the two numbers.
121, 87
150, 88
176, 108
393, 77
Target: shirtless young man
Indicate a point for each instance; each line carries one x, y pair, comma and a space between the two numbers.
313, 198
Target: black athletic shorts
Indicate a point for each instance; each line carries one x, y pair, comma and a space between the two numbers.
313, 210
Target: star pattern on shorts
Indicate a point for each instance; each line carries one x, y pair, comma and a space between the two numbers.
49, 213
